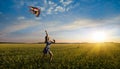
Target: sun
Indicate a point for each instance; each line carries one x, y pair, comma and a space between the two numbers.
99, 36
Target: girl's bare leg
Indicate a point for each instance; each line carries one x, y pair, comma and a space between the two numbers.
51, 56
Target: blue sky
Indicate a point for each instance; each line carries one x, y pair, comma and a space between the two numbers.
65, 20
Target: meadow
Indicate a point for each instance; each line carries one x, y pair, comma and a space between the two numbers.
66, 56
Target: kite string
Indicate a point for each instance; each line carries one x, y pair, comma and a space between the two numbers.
42, 34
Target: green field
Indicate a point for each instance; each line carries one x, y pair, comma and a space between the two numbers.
66, 56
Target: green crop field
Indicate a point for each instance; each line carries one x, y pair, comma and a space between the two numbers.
66, 56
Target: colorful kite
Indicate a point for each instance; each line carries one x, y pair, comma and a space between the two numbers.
35, 11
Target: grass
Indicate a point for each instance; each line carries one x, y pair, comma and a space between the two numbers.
66, 56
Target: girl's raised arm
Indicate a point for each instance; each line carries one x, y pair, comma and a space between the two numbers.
46, 32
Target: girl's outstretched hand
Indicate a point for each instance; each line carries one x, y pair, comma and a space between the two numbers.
45, 30
54, 40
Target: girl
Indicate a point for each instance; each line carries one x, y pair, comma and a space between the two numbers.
47, 47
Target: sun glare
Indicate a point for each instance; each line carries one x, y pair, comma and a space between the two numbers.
99, 36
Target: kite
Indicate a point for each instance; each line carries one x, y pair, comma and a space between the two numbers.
35, 11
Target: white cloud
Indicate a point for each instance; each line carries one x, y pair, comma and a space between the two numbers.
81, 24
38, 34
52, 4
19, 26
46, 6
66, 3
38, 18
88, 23
45, 2
61, 0
21, 3
76, 25
64, 7
112, 20
51, 7
72, 6
21, 18
50, 10
31, 3
59, 9
42, 9
53, 26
